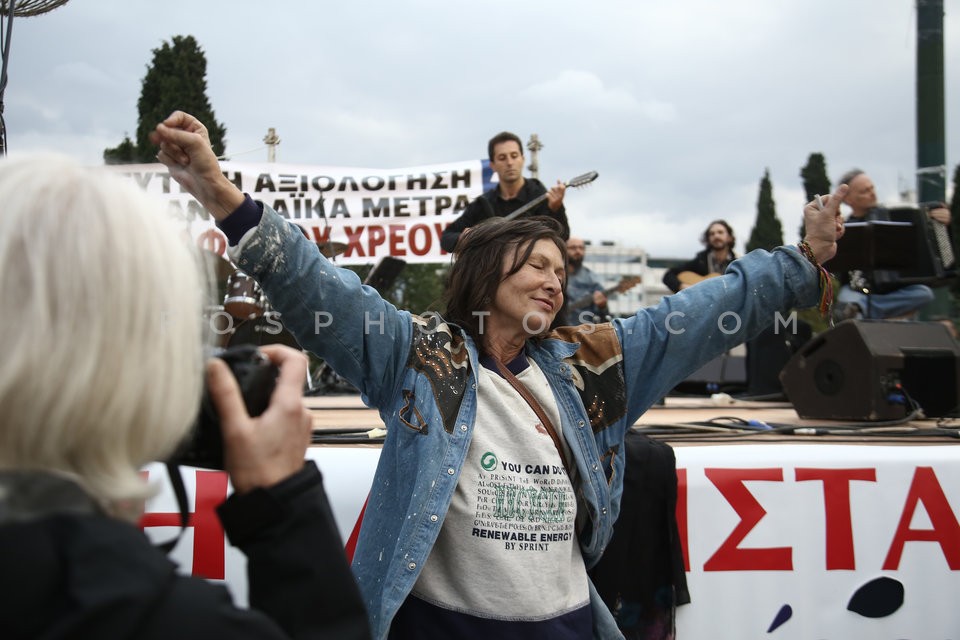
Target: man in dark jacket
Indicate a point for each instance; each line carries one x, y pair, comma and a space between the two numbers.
878, 294
513, 191
718, 239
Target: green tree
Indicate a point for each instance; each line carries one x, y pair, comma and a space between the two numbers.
175, 79
125, 153
418, 288
767, 231
815, 182
955, 209
955, 223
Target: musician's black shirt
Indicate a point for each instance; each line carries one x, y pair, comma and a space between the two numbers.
491, 204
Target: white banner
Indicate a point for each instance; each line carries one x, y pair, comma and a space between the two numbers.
804, 541
793, 541
373, 212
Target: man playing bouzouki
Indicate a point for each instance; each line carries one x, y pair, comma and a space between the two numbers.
513, 191
712, 261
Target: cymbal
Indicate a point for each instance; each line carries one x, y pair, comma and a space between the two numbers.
217, 265
330, 249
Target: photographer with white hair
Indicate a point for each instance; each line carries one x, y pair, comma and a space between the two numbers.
102, 373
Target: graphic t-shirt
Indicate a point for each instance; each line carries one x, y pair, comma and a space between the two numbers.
508, 547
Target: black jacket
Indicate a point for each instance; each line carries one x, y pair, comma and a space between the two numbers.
699, 265
80, 574
490, 205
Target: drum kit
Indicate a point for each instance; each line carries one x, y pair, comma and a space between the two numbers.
246, 316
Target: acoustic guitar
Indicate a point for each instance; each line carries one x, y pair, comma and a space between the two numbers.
626, 282
692, 277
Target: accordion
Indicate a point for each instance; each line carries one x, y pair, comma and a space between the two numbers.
896, 247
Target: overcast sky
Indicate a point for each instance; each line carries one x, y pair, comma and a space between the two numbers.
680, 106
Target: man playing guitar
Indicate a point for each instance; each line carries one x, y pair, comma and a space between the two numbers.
718, 239
580, 282
585, 299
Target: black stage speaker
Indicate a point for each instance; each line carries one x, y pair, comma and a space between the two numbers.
872, 369
768, 354
727, 372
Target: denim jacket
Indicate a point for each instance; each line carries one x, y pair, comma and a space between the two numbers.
421, 373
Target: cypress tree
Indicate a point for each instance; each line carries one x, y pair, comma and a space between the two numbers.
767, 231
815, 182
175, 79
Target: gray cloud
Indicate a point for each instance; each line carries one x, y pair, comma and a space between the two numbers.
680, 107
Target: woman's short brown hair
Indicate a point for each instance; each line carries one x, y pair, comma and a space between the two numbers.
481, 253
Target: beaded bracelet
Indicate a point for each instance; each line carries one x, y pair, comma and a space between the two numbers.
826, 286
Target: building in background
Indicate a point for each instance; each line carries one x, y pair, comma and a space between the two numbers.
612, 262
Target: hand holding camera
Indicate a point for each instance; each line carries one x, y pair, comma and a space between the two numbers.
263, 450
252, 421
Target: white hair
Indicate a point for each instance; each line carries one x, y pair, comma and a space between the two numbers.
102, 357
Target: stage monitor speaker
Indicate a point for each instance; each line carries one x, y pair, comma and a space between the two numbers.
768, 354
873, 369
727, 372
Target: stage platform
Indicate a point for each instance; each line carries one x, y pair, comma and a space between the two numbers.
716, 419
784, 522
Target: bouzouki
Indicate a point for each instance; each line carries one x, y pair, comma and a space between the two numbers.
626, 282
579, 181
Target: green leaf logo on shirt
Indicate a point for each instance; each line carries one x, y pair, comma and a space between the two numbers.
488, 461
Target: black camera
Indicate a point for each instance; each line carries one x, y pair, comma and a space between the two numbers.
257, 377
